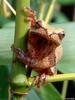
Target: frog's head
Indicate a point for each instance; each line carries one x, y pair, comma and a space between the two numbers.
41, 41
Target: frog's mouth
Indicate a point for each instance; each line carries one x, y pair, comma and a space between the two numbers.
40, 37
38, 43
41, 43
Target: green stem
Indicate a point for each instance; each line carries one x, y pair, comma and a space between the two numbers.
64, 89
42, 6
10, 7
50, 11
59, 77
20, 38
2, 8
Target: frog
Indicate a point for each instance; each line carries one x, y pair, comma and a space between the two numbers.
43, 48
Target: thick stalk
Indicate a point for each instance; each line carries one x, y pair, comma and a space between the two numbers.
22, 26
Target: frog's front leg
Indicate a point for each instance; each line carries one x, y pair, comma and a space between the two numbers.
30, 16
21, 56
24, 57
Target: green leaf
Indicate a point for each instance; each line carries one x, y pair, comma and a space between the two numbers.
45, 92
60, 17
66, 2
4, 82
6, 40
3, 21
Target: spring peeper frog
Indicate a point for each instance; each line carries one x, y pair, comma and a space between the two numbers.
42, 43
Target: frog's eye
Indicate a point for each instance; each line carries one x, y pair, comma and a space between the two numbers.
61, 35
57, 37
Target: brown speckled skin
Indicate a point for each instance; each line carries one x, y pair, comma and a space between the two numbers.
41, 46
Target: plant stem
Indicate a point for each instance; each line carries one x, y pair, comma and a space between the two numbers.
64, 89
4, 9
59, 77
42, 6
10, 7
50, 11
20, 37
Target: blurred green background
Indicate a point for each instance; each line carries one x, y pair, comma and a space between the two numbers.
63, 16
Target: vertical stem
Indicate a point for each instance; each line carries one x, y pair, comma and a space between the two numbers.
9, 7
50, 11
4, 9
64, 88
20, 37
42, 6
